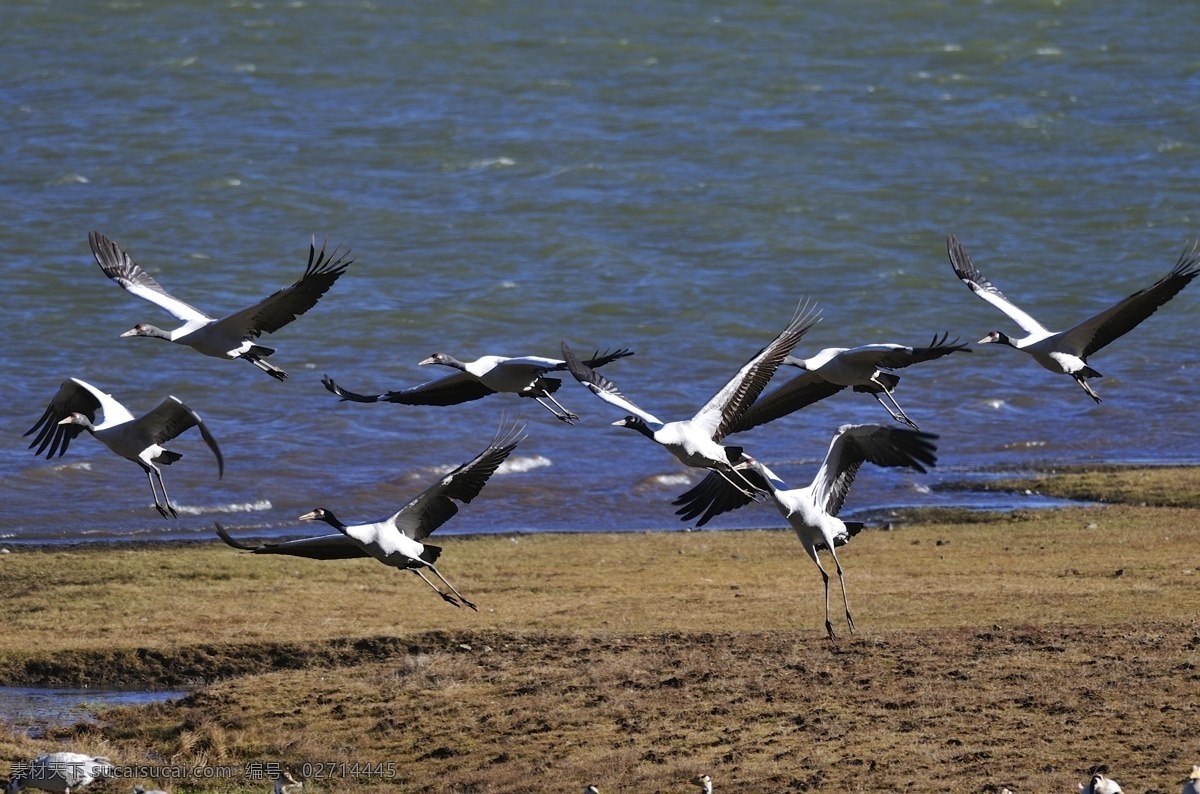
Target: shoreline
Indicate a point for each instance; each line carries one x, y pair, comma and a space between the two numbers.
999, 649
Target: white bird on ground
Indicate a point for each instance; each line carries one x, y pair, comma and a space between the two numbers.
141, 790
59, 772
1099, 784
812, 511
523, 375
73, 410
835, 368
702, 782
1192, 784
590, 789
396, 540
286, 784
696, 441
1067, 351
233, 336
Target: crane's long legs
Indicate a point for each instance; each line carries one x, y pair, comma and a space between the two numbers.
453, 588
1083, 384
897, 414
565, 416
162, 486
272, 370
449, 599
845, 599
748, 490
163, 511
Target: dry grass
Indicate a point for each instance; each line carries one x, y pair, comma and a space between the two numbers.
1018, 652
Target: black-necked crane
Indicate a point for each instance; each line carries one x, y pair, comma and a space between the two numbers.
1066, 352
1099, 784
696, 441
812, 511
59, 772
234, 336
396, 540
1192, 784
865, 368
285, 783
521, 375
73, 410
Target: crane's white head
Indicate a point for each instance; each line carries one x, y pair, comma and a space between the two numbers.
703, 782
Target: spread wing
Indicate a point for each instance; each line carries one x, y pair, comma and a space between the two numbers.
799, 392
970, 275
715, 495
598, 359
74, 396
721, 414
424, 514
604, 388
117, 265
852, 445
272, 313
885, 356
1093, 334
453, 389
171, 418
324, 547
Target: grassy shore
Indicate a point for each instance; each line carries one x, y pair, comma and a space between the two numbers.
1020, 651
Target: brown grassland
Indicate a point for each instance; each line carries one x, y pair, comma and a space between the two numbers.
1022, 650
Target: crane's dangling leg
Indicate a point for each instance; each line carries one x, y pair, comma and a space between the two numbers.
565, 416
898, 412
449, 599
452, 587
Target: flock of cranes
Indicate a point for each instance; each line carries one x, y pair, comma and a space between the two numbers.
734, 478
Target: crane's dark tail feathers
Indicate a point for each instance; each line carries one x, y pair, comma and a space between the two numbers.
167, 457
431, 553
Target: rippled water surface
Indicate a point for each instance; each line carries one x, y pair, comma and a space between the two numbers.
672, 177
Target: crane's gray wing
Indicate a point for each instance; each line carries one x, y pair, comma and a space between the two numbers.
970, 275
720, 414
852, 445
799, 392
424, 514
324, 547
74, 396
117, 265
715, 495
604, 388
277, 310
900, 356
453, 389
1094, 333
599, 359
171, 418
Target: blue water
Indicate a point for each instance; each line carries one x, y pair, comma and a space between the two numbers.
35, 709
672, 177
